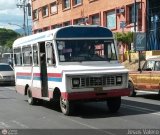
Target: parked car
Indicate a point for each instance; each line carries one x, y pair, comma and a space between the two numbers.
6, 74
146, 79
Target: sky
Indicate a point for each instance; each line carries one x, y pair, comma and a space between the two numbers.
9, 13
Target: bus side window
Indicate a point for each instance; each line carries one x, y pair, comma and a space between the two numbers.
50, 54
17, 57
27, 55
35, 55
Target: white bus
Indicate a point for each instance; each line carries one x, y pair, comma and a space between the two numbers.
69, 64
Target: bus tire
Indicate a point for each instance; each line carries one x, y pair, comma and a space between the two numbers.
114, 104
132, 90
31, 100
65, 106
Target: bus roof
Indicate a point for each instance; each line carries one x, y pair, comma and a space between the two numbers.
70, 32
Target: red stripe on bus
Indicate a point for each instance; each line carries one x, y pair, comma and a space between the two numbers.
23, 74
59, 75
37, 74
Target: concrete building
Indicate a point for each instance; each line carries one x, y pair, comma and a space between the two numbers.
117, 15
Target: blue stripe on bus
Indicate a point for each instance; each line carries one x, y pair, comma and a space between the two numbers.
24, 77
36, 78
55, 79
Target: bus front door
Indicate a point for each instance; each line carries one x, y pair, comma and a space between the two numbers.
43, 70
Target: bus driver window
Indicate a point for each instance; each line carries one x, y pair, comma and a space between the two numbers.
50, 54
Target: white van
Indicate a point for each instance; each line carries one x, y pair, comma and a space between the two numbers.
69, 64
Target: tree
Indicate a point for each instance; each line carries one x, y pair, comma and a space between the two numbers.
125, 38
7, 37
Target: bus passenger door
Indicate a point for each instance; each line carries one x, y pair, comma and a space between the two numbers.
43, 70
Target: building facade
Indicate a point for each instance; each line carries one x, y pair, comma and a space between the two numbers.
117, 15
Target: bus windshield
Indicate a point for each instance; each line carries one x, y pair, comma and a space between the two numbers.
86, 50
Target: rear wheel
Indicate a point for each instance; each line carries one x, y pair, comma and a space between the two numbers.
66, 106
132, 90
114, 104
31, 100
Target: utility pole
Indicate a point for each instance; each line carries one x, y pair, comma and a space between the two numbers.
135, 12
25, 5
135, 26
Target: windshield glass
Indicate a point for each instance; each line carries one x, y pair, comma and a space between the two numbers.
86, 50
5, 68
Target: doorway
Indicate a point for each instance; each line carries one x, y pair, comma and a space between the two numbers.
43, 70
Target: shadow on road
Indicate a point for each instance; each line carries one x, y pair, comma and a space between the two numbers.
94, 110
49, 105
149, 96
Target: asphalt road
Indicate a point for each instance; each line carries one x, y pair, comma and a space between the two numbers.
136, 114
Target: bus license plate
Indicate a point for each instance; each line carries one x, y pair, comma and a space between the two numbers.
98, 89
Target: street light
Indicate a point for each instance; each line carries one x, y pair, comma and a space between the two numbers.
22, 27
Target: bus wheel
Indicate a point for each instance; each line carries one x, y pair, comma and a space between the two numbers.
31, 100
114, 104
131, 88
65, 106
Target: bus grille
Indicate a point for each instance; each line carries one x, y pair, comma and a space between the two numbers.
98, 81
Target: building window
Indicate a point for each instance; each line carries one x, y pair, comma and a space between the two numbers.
45, 28
77, 2
56, 26
39, 30
95, 19
35, 14
78, 21
53, 8
66, 4
111, 20
131, 14
45, 11
67, 23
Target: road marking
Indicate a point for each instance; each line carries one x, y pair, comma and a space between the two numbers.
86, 125
19, 124
141, 109
4, 125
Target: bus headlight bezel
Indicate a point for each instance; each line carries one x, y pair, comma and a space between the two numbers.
75, 82
118, 80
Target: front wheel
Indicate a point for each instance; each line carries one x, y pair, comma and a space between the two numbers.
65, 106
114, 104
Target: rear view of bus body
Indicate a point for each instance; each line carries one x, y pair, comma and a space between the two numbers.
70, 64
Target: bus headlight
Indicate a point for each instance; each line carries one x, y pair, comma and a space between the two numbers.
75, 82
119, 80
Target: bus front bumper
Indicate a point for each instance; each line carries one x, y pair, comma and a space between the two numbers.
91, 95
